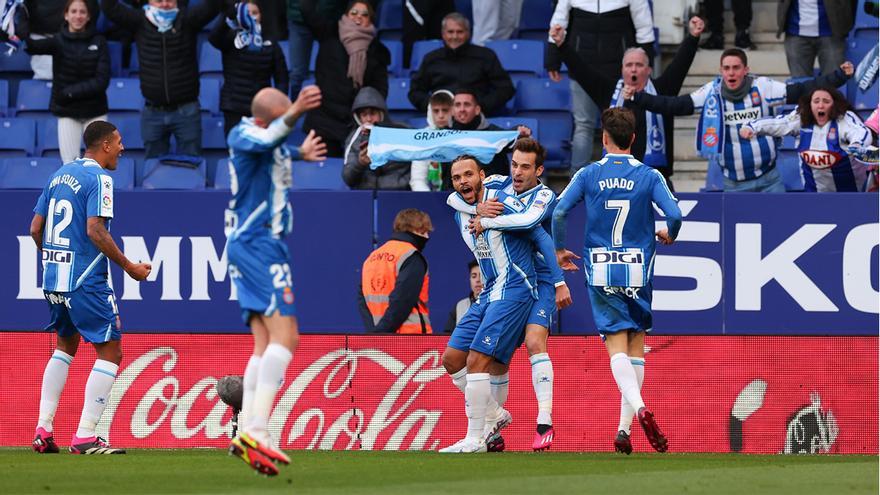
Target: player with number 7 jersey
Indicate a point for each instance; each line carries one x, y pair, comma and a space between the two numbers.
70, 227
619, 192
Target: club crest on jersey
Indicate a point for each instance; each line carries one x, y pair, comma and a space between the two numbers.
820, 160
710, 137
832, 134
756, 98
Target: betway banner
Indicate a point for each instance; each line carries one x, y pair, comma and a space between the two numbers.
793, 264
709, 394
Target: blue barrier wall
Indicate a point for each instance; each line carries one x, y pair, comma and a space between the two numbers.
745, 264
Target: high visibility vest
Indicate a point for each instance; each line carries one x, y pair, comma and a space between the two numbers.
378, 278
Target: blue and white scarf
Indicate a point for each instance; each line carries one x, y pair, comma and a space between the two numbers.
163, 19
710, 130
866, 72
249, 33
444, 145
655, 139
7, 24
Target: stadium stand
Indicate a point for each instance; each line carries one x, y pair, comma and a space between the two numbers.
326, 175
4, 98
395, 47
114, 48
161, 175
124, 97
399, 106
548, 103
33, 99
26, 172
214, 146
134, 66
123, 176
47, 138
520, 57
209, 95
19, 137
390, 25
420, 49
210, 61
513, 122
535, 19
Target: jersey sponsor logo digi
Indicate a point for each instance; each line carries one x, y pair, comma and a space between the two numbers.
739, 117
616, 183
57, 256
616, 257
819, 159
710, 137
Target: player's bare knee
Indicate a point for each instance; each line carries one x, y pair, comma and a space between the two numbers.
478, 362
453, 360
536, 343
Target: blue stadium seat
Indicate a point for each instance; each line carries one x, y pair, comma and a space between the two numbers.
326, 175
129, 127
420, 49
123, 176
417, 122
390, 23
27, 173
19, 62
209, 95
519, 56
4, 97
19, 137
398, 89
134, 66
213, 137
396, 49
124, 96
47, 137
114, 48
860, 42
158, 175
210, 61
222, 179
549, 103
33, 98
535, 20
512, 122
864, 20
789, 168
465, 8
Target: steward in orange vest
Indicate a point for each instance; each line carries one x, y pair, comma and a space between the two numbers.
394, 280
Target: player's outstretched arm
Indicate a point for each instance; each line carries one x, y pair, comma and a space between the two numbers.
668, 203
532, 216
309, 99
570, 197
37, 230
99, 235
781, 125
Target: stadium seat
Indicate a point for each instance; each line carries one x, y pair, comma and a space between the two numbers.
4, 98
512, 122
210, 61
789, 168
19, 137
865, 20
861, 42
124, 96
134, 66
398, 102
159, 175
396, 49
27, 173
549, 103
214, 145
129, 127
417, 122
209, 95
123, 176
222, 179
114, 48
33, 98
519, 56
326, 175
465, 8
18, 62
47, 137
420, 49
390, 25
535, 20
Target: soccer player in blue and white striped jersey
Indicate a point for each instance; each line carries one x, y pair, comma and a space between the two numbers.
619, 192
725, 105
70, 226
258, 218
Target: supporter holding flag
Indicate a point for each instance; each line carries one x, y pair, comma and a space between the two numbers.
829, 139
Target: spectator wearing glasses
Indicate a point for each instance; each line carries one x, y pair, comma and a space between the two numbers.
350, 57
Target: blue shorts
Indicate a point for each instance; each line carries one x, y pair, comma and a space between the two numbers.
621, 308
91, 312
494, 329
544, 309
260, 270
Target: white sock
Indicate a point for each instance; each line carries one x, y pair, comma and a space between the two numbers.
626, 410
273, 365
54, 378
542, 381
97, 394
459, 379
248, 385
627, 383
499, 385
477, 395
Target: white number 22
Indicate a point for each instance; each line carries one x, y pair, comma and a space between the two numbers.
281, 275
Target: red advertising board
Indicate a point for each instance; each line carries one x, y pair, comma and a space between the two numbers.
709, 394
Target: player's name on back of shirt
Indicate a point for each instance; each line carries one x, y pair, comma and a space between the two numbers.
616, 183
67, 180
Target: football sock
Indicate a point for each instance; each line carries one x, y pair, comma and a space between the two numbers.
97, 394
626, 410
54, 378
273, 366
248, 385
542, 381
499, 385
625, 376
459, 379
477, 395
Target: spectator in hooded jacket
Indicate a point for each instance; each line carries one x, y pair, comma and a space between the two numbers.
350, 57
369, 110
80, 75
250, 62
45, 18
460, 64
166, 38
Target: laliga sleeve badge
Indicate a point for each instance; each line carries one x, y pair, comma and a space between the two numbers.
288, 296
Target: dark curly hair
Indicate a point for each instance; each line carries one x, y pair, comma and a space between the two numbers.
838, 109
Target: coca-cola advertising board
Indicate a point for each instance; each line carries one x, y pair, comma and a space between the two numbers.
709, 394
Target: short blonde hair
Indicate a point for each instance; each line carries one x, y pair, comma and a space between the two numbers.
412, 220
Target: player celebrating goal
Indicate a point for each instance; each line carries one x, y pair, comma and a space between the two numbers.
258, 216
619, 251
70, 226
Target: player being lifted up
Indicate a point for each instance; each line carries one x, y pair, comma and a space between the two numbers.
619, 252
527, 164
258, 218
486, 337
71, 227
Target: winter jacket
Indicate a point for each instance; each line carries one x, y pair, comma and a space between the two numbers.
169, 67
468, 66
332, 121
393, 176
80, 72
247, 71
841, 16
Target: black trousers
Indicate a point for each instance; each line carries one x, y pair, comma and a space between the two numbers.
742, 14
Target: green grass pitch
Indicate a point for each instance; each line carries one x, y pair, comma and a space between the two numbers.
422, 473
